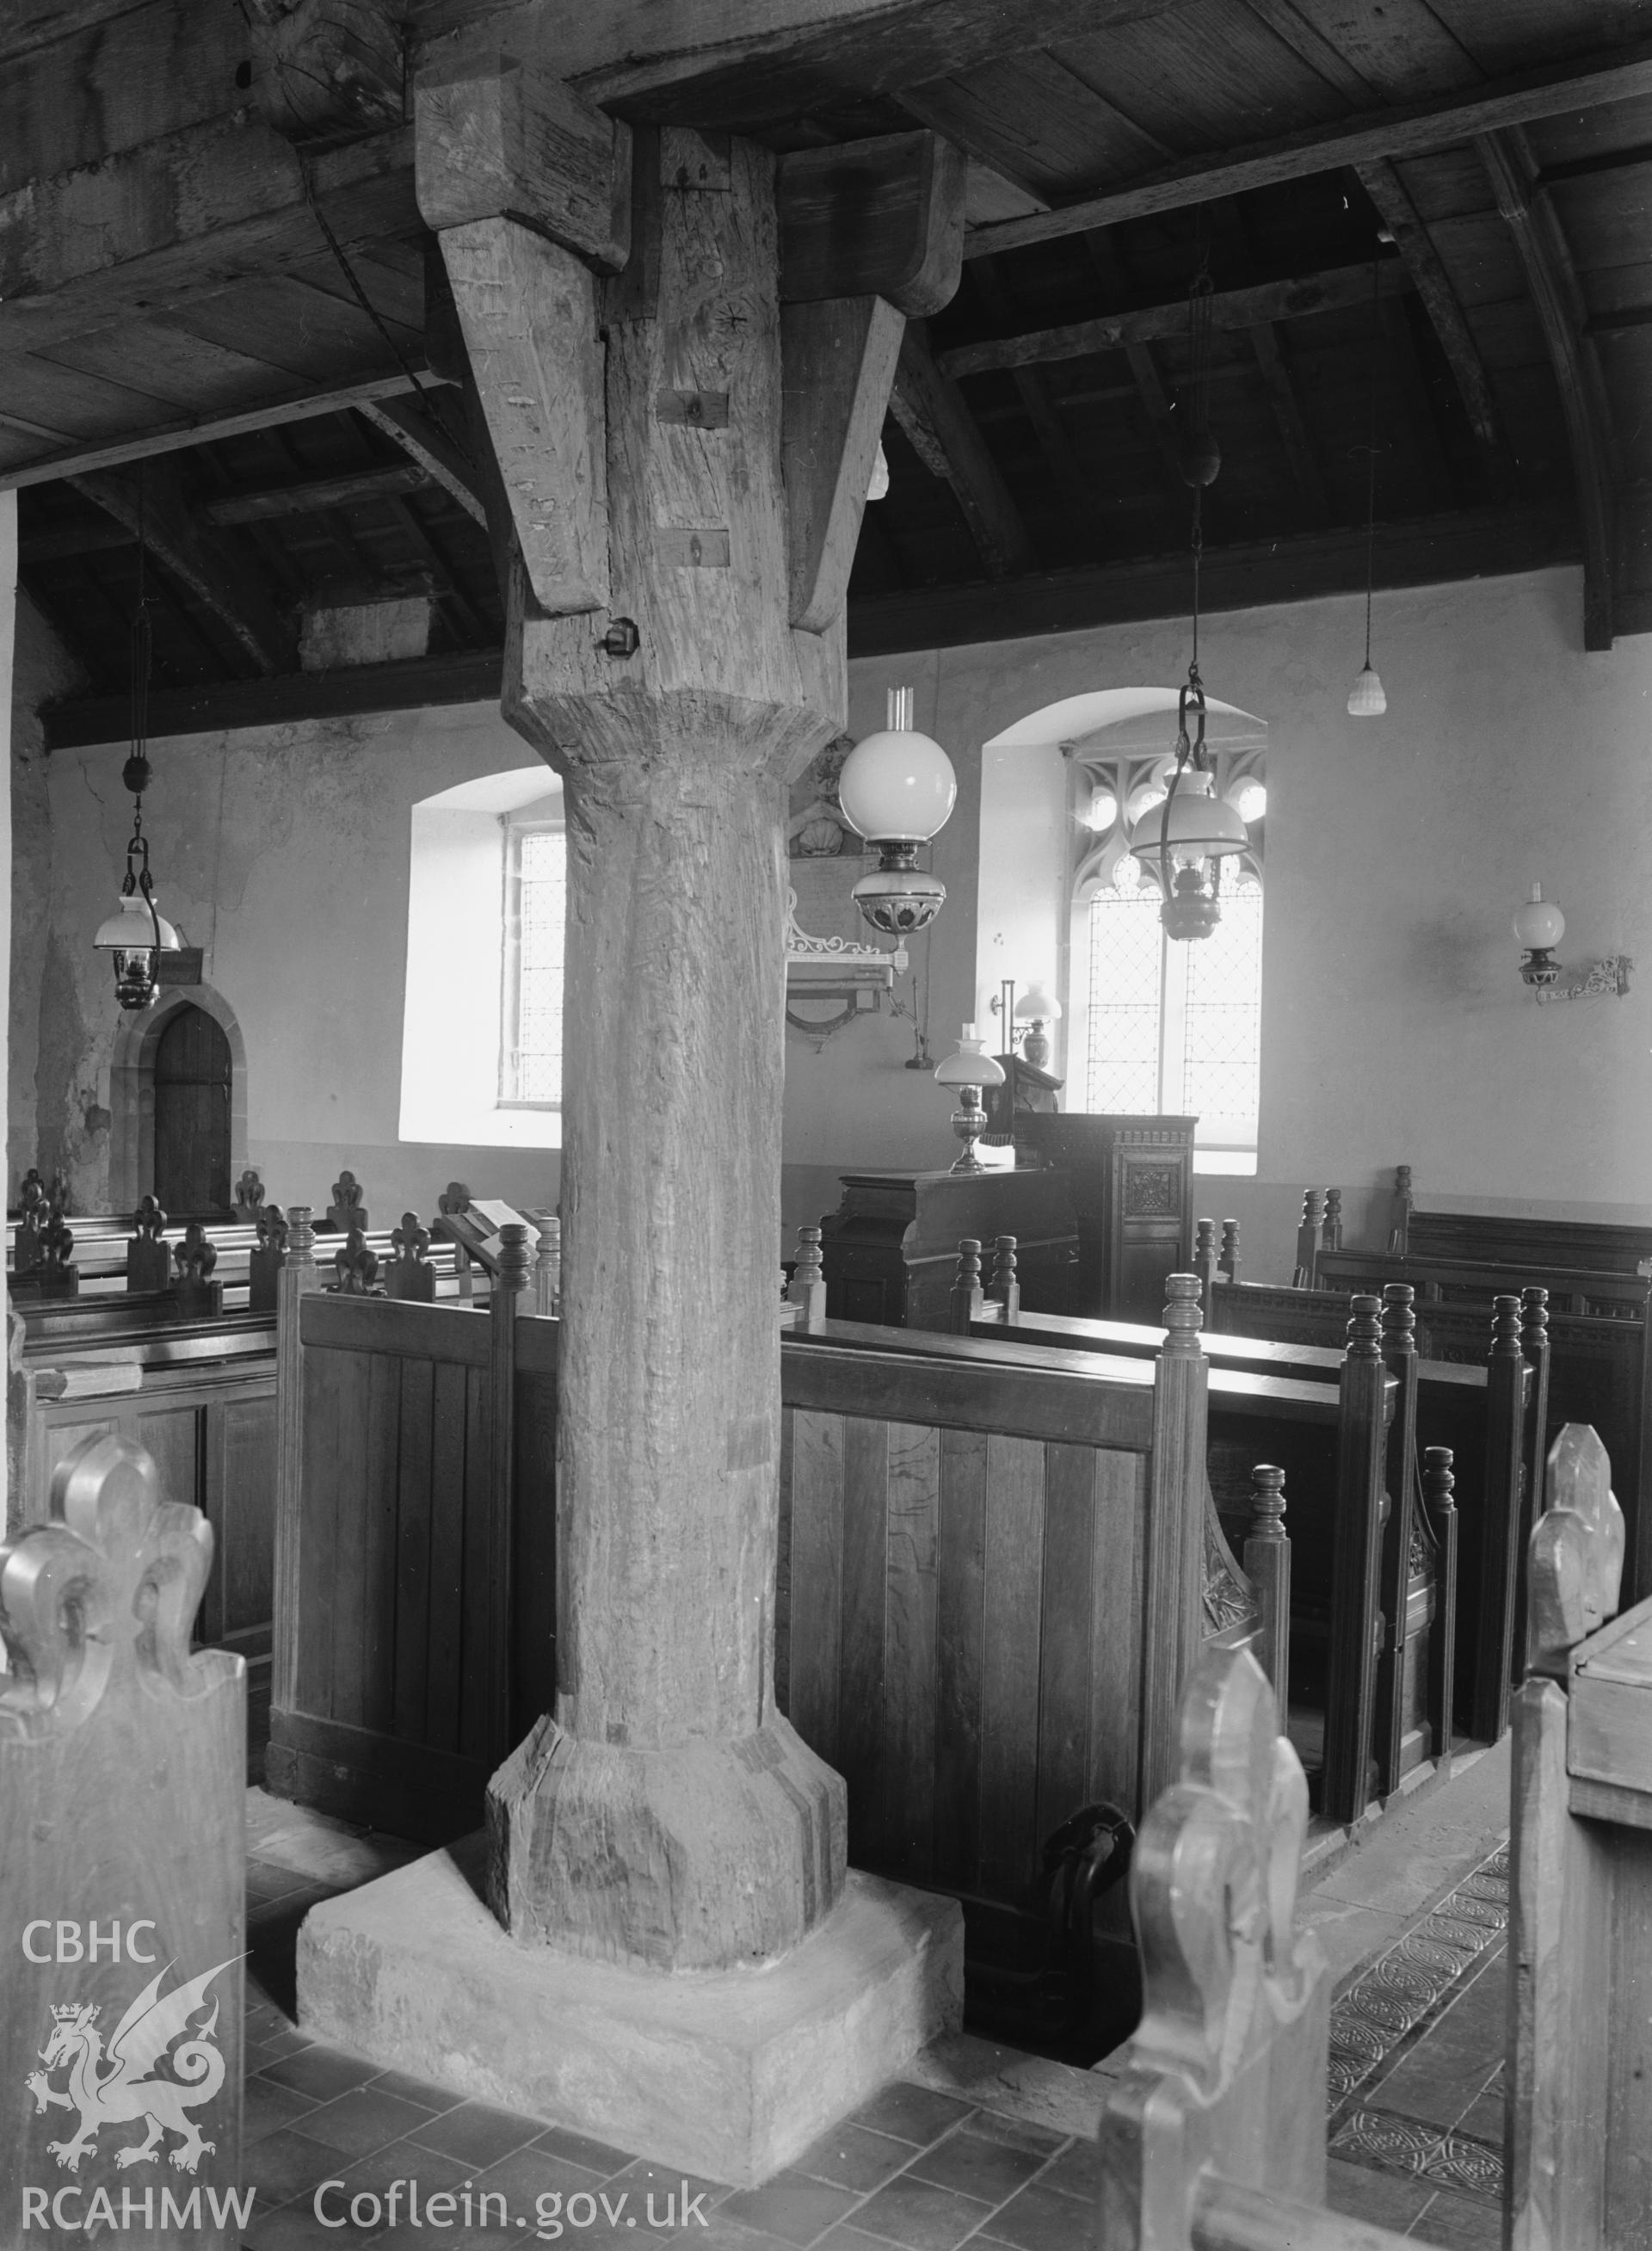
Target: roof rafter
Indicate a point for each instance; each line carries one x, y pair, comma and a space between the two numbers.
1546, 257
929, 407
1334, 290
152, 504
1585, 82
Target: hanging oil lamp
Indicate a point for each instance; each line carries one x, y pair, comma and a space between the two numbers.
137, 933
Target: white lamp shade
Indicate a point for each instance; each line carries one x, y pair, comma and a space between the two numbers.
1200, 822
971, 1065
897, 786
132, 927
1365, 698
1539, 925
1037, 1005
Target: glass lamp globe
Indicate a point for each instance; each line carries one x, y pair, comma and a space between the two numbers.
897, 787
1202, 825
1365, 698
1539, 926
971, 1065
130, 935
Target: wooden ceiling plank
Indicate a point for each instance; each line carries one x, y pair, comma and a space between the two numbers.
70, 539
1208, 76
1287, 22
216, 574
184, 372
1416, 246
1145, 377
1551, 278
1336, 290
98, 453
81, 250
930, 410
1041, 124
1400, 48
1617, 75
750, 79
110, 87
26, 24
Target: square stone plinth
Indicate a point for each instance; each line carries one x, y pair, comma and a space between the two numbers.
725, 2073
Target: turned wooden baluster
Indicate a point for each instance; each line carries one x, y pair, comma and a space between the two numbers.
1356, 1608
1499, 1566
1441, 1516
808, 1289
1534, 1350
1330, 1234
1267, 1560
1400, 1354
297, 1279
1006, 1287
1204, 1264
1308, 1230
966, 1291
1399, 1225
454, 1200
1229, 1259
548, 1264
1173, 1563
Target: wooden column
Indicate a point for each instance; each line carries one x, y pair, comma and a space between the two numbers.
665, 1814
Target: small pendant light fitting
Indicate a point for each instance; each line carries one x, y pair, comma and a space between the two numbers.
1365, 698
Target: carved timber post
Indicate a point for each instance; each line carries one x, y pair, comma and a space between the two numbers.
666, 1814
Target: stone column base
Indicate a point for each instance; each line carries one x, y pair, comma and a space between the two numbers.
728, 2074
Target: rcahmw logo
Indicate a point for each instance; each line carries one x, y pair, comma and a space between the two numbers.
117, 2085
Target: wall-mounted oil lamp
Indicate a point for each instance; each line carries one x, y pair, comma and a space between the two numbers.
1539, 926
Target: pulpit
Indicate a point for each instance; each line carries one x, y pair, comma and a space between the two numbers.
890, 1250
1132, 1183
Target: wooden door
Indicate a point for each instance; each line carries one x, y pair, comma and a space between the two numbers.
192, 1117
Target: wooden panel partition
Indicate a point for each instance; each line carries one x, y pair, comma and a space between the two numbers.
395, 1538
993, 1570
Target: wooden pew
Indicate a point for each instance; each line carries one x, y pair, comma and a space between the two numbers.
1391, 1572
122, 1802
1580, 2111
1599, 1331
1212, 2134
1494, 1422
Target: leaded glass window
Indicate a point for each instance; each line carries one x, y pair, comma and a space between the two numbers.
535, 911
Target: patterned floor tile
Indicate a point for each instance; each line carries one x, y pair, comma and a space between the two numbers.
1407, 1989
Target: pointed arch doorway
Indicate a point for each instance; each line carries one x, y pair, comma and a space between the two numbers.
177, 1089
193, 1082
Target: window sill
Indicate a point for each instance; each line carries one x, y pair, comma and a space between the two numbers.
1234, 1164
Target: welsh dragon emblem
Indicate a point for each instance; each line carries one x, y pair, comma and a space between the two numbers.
113, 2087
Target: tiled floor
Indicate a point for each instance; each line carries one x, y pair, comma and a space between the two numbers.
918, 2168
999, 2152
1416, 2073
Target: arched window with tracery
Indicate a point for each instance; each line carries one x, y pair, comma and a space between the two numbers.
1159, 1025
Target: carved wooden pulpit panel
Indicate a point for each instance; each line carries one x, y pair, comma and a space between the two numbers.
123, 1869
